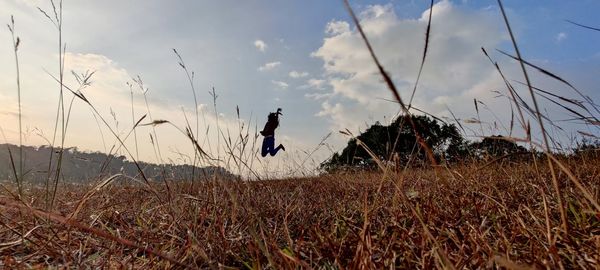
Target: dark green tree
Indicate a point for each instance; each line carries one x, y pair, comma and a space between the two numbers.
587, 148
496, 146
398, 140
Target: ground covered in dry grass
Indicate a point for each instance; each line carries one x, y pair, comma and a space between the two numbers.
470, 216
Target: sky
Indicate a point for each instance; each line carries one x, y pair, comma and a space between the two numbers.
305, 57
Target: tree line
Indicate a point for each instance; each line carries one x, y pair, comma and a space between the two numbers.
79, 166
397, 143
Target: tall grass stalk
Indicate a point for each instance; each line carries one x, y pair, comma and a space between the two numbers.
137, 153
82, 97
584, 26
12, 166
390, 84
442, 256
16, 42
548, 152
513, 98
190, 78
557, 78
426, 46
154, 138
83, 80
57, 21
215, 96
511, 91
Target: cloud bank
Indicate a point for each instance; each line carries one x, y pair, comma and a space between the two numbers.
456, 71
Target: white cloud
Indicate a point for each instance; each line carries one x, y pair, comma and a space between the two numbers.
314, 84
337, 28
561, 36
260, 45
269, 66
108, 77
317, 84
344, 116
297, 74
455, 69
317, 96
280, 84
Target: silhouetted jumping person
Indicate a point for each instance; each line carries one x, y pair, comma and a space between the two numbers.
268, 145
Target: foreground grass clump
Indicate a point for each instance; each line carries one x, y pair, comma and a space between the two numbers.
476, 217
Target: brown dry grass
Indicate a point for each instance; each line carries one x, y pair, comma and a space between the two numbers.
476, 215
480, 218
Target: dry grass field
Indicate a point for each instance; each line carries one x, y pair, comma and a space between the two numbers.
466, 217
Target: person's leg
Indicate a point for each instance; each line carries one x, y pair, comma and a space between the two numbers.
268, 145
274, 151
265, 147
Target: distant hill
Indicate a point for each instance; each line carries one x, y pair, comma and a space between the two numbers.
78, 166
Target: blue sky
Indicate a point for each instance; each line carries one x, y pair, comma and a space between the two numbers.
302, 56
